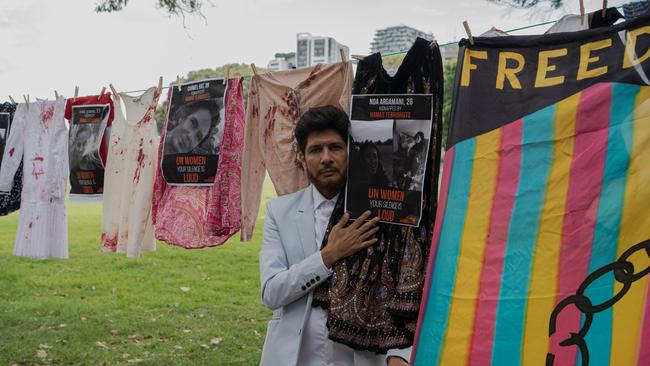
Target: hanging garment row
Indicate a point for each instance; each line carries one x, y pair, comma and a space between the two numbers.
375, 300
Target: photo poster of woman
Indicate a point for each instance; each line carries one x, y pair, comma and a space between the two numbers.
388, 145
193, 133
4, 133
87, 128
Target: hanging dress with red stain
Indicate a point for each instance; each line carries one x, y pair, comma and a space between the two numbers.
194, 217
39, 138
9, 201
128, 181
275, 103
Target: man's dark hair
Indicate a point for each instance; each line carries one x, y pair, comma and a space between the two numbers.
319, 119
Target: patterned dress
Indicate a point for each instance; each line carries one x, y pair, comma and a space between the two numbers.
275, 103
199, 217
128, 182
39, 139
10, 201
374, 296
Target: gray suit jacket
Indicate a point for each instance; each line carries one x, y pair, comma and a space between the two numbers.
290, 268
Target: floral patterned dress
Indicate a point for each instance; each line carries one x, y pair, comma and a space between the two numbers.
199, 217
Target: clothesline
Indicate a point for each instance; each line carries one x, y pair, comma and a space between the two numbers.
400, 52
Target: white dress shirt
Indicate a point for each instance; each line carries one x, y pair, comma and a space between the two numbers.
317, 349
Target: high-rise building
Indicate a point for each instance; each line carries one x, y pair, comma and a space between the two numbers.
283, 61
399, 38
312, 50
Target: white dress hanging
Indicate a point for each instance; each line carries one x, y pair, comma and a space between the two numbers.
40, 139
128, 182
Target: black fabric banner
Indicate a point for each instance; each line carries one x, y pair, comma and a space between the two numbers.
507, 78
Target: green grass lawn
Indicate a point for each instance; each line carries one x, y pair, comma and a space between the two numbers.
103, 308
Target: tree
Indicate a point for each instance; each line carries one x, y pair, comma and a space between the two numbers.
172, 7
527, 4
221, 71
449, 79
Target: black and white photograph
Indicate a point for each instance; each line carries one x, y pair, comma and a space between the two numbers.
4, 133
388, 156
370, 153
85, 136
193, 132
410, 147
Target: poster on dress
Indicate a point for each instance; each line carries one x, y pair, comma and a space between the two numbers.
388, 145
4, 133
193, 132
85, 136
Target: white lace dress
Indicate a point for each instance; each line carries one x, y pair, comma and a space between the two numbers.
128, 182
39, 138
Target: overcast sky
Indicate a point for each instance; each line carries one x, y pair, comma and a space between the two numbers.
48, 45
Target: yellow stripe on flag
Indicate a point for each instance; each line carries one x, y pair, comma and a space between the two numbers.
472, 250
543, 285
635, 228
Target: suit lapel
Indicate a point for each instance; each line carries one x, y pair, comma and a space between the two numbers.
305, 222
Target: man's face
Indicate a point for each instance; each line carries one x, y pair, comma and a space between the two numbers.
326, 159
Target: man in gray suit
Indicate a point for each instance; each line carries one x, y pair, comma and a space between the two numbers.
292, 262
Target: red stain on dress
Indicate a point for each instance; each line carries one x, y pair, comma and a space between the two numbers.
12, 151
38, 158
37, 172
146, 119
30, 225
269, 119
141, 156
47, 114
109, 241
313, 75
292, 112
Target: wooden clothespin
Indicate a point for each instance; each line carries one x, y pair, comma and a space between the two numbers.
12, 100
115, 95
582, 12
433, 44
342, 53
604, 13
160, 82
26, 97
254, 69
56, 94
358, 57
469, 32
101, 93
76, 92
178, 82
225, 80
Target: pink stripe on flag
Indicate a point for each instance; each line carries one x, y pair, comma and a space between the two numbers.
504, 198
587, 167
644, 340
440, 213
